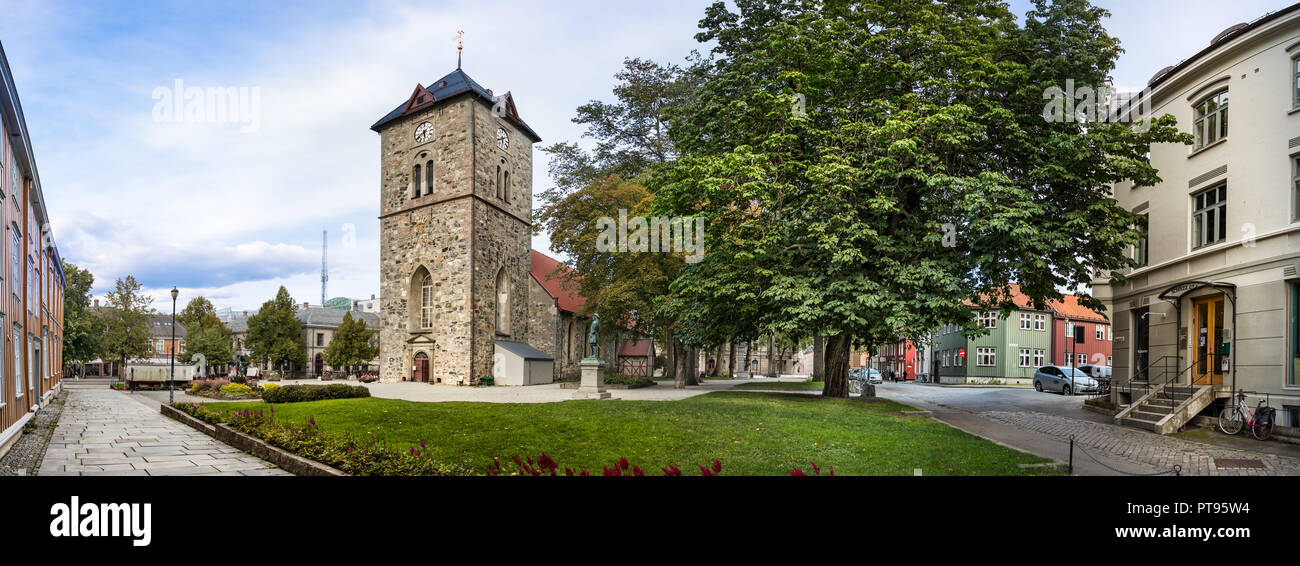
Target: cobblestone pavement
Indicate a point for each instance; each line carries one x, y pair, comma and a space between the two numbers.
105, 432
1159, 452
25, 457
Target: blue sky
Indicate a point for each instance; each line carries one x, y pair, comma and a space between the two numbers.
233, 214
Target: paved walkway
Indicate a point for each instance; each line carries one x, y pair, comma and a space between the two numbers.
1042, 424
110, 433
1154, 450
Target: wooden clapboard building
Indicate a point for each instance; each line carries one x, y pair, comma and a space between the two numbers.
31, 276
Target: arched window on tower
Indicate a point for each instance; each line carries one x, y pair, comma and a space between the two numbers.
503, 302
428, 177
505, 182
426, 302
416, 180
497, 181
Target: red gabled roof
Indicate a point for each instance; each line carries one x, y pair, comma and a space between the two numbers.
544, 269
1071, 309
1020, 299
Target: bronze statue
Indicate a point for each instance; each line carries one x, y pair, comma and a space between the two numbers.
593, 337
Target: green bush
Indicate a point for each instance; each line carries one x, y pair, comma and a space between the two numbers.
302, 393
269, 386
235, 389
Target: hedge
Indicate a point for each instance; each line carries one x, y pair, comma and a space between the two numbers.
301, 393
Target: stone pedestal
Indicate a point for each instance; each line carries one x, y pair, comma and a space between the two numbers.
593, 380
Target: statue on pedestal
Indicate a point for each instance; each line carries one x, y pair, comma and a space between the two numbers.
593, 337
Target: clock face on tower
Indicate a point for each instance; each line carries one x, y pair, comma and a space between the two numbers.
423, 132
503, 139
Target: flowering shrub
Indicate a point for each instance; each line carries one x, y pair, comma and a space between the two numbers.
301, 393
208, 385
547, 466
345, 452
269, 386
235, 389
368, 378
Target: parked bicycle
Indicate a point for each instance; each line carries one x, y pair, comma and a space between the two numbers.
1237, 416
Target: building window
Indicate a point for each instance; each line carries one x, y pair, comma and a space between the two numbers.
1065, 358
1081, 359
1026, 321
320, 338
988, 320
18, 359
1024, 357
1210, 119
1140, 251
1210, 217
1295, 186
1293, 369
426, 302
503, 181
503, 302
1040, 322
1295, 82
15, 257
987, 357
416, 180
428, 177
1108, 360
1039, 356
1101, 333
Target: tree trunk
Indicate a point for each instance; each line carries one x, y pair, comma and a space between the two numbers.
837, 367
771, 354
693, 366
731, 359
680, 371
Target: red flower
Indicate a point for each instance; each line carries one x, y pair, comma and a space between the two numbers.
637, 471
797, 472
622, 463
717, 466
671, 470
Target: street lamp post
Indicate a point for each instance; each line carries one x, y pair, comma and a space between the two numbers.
171, 380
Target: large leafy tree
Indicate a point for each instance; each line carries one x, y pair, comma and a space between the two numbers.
205, 333
124, 322
630, 139
353, 344
82, 336
275, 333
863, 167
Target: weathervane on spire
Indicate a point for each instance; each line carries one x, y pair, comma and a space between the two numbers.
460, 46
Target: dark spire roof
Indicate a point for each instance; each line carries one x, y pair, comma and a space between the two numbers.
454, 84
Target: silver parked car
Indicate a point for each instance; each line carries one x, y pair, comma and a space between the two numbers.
1065, 380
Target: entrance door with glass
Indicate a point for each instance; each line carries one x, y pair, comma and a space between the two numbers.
1207, 337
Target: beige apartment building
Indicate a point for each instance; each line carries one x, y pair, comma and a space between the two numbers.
1214, 306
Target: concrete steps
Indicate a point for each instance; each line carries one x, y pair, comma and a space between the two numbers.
1168, 409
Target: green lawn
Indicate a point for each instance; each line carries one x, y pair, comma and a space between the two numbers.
753, 433
783, 385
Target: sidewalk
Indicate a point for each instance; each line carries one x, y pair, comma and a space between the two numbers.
109, 433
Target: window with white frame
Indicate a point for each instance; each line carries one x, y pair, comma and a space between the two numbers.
988, 319
1065, 358
1295, 184
1210, 119
1081, 359
1025, 354
1039, 356
1140, 253
1295, 82
15, 256
1040, 322
1108, 360
1210, 216
1110, 335
1101, 333
1026, 321
18, 358
987, 357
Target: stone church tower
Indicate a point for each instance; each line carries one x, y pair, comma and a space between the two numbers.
456, 166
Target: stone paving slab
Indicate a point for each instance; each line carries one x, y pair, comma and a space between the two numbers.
105, 432
1143, 447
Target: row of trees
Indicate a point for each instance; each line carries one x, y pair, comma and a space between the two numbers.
861, 168
120, 330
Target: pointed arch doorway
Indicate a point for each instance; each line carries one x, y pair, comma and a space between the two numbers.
420, 369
